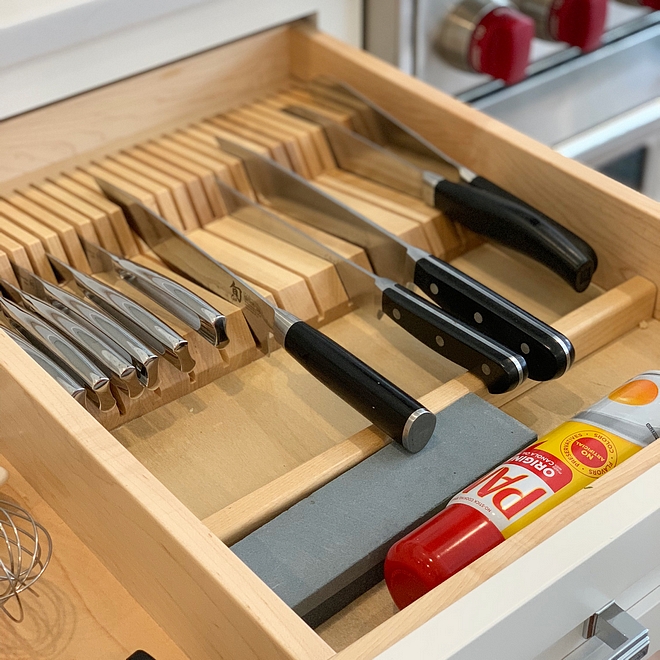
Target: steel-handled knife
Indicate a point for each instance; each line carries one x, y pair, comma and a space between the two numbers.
414, 166
383, 403
114, 362
499, 368
547, 352
143, 358
75, 388
176, 299
61, 350
147, 327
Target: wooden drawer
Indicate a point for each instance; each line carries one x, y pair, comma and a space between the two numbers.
157, 498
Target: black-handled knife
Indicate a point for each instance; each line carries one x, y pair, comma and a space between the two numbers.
393, 411
547, 352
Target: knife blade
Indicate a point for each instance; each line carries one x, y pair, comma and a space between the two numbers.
496, 365
383, 403
62, 351
143, 358
63, 378
147, 327
113, 362
176, 299
547, 352
414, 166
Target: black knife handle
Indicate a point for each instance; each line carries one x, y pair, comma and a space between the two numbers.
487, 210
380, 401
499, 368
548, 353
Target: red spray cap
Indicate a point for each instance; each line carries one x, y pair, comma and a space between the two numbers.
501, 43
579, 22
435, 551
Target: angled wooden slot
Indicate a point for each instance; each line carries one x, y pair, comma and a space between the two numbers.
294, 97
321, 277
206, 133
33, 246
245, 117
100, 220
289, 290
67, 234
95, 200
221, 127
14, 251
177, 188
6, 271
193, 184
162, 194
205, 174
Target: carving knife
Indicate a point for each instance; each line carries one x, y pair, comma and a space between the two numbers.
176, 299
113, 362
414, 166
496, 365
62, 351
64, 378
143, 358
383, 403
547, 352
149, 329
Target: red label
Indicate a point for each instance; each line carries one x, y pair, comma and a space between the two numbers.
590, 452
549, 468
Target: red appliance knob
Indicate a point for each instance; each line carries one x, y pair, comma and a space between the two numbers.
501, 43
487, 36
653, 4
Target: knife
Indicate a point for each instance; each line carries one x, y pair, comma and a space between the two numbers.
62, 351
380, 401
547, 352
113, 362
472, 201
496, 365
65, 380
176, 299
143, 358
147, 327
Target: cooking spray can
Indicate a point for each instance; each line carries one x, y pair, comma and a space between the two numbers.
523, 488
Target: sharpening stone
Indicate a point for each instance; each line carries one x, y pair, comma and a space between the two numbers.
329, 548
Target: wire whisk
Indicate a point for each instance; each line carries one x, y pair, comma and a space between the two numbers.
25, 551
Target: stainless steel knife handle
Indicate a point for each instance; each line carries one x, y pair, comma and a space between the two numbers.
497, 366
62, 351
384, 404
142, 323
74, 388
548, 353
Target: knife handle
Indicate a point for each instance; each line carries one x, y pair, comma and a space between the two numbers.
393, 411
548, 353
481, 207
498, 367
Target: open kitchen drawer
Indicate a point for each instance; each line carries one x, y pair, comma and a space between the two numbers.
155, 498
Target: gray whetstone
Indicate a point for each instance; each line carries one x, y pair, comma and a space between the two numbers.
329, 548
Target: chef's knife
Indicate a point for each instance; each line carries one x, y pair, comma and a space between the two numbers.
143, 358
75, 388
548, 353
62, 351
113, 361
496, 365
156, 334
176, 299
379, 400
473, 201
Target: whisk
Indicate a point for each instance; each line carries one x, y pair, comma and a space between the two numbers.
25, 550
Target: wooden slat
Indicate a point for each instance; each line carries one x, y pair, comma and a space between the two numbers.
15, 251
590, 327
33, 246
207, 133
6, 271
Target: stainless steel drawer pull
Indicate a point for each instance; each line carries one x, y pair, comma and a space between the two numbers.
626, 636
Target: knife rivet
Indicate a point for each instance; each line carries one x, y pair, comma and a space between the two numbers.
440, 341
524, 348
478, 318
434, 288
486, 369
396, 314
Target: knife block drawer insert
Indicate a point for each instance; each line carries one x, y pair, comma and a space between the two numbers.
222, 455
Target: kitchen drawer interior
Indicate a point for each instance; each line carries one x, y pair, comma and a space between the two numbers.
245, 436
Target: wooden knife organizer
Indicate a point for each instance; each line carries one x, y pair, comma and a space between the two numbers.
191, 469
